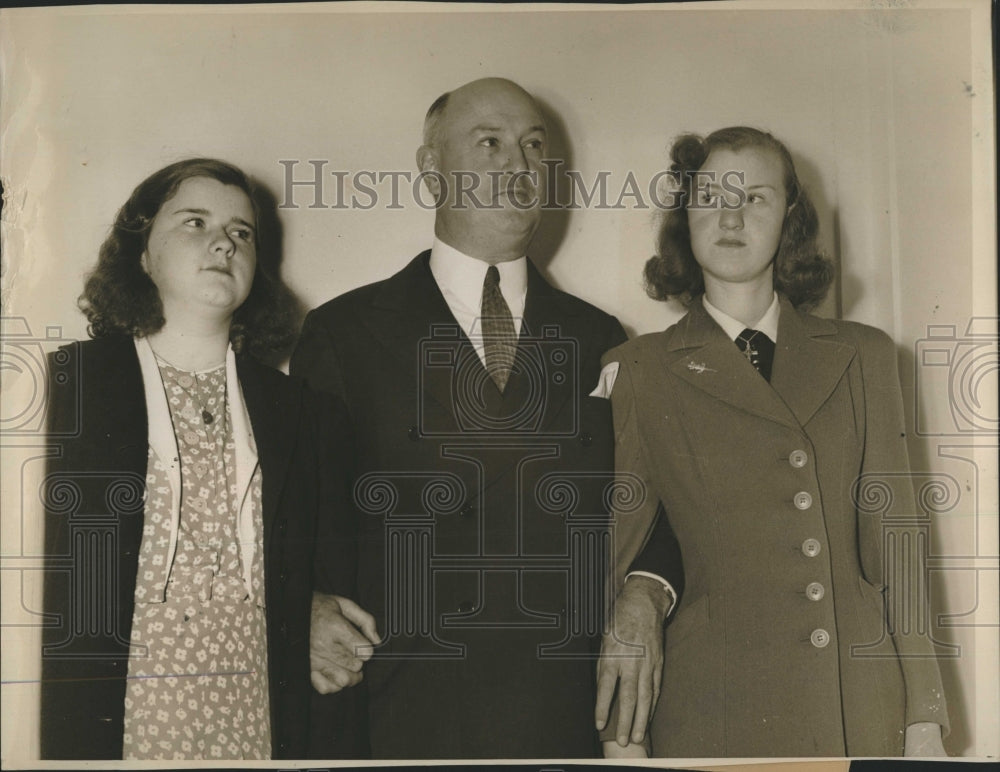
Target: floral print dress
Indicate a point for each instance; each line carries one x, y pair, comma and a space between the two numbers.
197, 675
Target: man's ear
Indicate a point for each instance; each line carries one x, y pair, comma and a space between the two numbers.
427, 161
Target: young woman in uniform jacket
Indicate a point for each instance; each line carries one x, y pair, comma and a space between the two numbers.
774, 441
182, 502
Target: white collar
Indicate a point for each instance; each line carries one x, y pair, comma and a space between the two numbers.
462, 276
767, 324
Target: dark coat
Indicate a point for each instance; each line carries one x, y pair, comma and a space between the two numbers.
749, 474
94, 511
482, 533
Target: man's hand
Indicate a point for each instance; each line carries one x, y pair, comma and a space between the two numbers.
923, 740
340, 642
612, 750
640, 610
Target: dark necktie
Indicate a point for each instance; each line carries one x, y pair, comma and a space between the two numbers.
758, 349
499, 338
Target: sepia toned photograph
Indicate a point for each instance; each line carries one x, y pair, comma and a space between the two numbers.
397, 382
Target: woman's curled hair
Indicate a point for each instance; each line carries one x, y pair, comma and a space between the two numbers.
801, 271
119, 297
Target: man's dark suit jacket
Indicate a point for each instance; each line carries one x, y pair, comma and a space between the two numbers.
94, 512
482, 539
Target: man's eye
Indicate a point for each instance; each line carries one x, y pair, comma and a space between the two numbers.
489, 142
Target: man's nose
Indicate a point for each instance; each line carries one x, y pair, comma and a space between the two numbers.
516, 160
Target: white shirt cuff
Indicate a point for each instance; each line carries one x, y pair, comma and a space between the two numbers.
667, 588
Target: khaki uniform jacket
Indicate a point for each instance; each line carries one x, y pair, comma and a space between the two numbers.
780, 645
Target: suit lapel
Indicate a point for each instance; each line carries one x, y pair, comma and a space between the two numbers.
702, 355
808, 362
415, 325
273, 417
543, 334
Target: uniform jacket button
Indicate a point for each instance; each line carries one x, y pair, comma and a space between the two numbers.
811, 548
586, 439
798, 458
819, 638
815, 591
413, 433
466, 607
803, 500
466, 511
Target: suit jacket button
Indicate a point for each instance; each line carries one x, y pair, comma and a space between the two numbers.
810, 548
413, 433
282, 577
798, 458
815, 591
819, 638
466, 607
586, 439
282, 683
803, 500
284, 630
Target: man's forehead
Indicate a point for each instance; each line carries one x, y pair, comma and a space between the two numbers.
494, 108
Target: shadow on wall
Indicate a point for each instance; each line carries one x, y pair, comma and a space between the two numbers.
270, 257
923, 463
832, 306
554, 222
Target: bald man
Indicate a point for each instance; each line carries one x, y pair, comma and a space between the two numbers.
483, 467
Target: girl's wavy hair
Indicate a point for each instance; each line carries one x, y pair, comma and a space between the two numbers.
801, 271
119, 297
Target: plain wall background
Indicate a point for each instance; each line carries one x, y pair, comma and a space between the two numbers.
888, 113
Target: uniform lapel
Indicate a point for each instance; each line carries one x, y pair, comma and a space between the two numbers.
808, 361
701, 354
